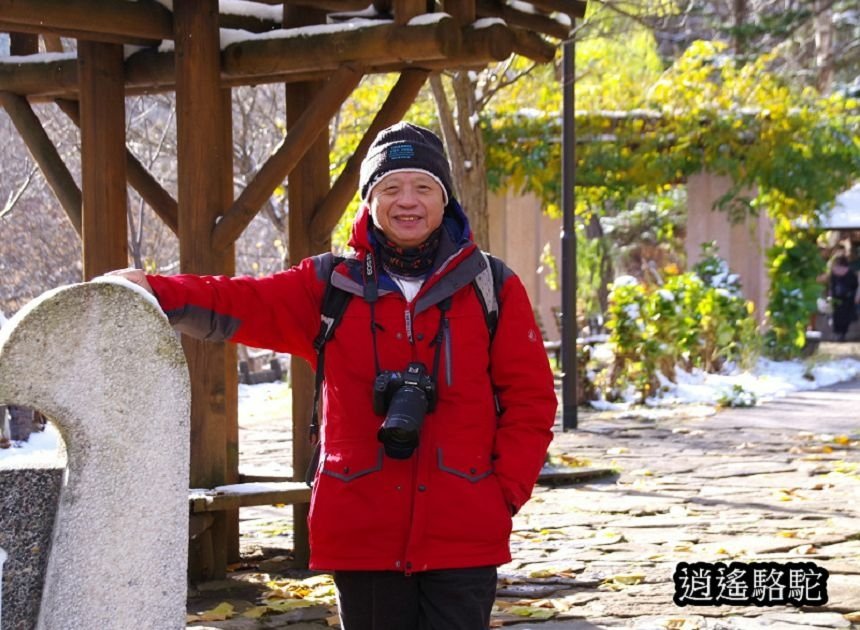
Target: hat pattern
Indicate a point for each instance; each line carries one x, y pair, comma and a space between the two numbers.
405, 147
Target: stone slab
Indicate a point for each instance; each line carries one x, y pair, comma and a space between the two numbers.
101, 361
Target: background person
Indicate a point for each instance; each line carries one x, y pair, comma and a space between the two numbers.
843, 291
413, 535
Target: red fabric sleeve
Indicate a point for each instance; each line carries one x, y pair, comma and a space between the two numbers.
521, 374
280, 312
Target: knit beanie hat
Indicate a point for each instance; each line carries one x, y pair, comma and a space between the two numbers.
405, 147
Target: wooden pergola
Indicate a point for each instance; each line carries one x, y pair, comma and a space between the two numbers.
320, 49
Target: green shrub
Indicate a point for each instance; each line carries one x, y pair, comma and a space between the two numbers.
697, 319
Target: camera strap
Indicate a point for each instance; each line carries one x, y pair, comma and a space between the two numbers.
371, 294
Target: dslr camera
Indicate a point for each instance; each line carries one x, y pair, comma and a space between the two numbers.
403, 398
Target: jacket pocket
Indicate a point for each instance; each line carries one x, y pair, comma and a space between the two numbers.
465, 465
470, 504
348, 465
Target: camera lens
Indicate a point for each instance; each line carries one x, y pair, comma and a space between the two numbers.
399, 432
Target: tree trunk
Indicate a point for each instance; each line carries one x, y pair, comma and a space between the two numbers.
739, 9
465, 143
824, 58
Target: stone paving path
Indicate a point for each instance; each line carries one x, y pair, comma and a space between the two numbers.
779, 482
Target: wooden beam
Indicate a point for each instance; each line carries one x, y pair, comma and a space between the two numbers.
327, 51
292, 59
45, 155
302, 135
48, 80
161, 202
103, 178
528, 21
487, 44
533, 46
573, 8
139, 22
205, 190
330, 210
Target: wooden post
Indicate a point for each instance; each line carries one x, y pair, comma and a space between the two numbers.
205, 191
308, 184
103, 175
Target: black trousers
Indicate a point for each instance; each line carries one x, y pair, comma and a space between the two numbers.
448, 599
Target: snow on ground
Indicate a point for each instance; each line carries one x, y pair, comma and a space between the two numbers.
766, 381
696, 390
43, 450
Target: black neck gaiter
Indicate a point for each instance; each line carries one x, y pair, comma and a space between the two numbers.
407, 261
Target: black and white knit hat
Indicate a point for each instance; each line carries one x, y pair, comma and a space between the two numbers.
405, 147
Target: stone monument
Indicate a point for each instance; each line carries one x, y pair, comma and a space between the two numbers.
102, 363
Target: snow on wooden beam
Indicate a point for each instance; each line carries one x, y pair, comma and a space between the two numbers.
401, 97
327, 5
326, 47
299, 139
481, 44
45, 154
143, 21
44, 75
530, 21
287, 56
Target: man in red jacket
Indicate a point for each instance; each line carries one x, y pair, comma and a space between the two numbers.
433, 431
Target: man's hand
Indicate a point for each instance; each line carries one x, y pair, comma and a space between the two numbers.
133, 275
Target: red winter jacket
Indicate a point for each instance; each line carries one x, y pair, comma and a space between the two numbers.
449, 505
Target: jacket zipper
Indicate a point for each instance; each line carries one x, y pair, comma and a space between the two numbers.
446, 336
407, 314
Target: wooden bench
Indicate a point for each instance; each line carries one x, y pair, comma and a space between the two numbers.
258, 366
247, 494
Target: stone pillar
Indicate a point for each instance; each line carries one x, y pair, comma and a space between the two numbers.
101, 361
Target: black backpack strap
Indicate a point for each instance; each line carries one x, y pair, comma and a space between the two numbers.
333, 307
488, 286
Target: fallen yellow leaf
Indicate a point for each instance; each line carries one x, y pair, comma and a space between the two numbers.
842, 439
618, 582
221, 612
256, 612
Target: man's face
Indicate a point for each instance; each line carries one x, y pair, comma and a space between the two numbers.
407, 206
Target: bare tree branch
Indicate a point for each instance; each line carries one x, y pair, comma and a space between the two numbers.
16, 195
